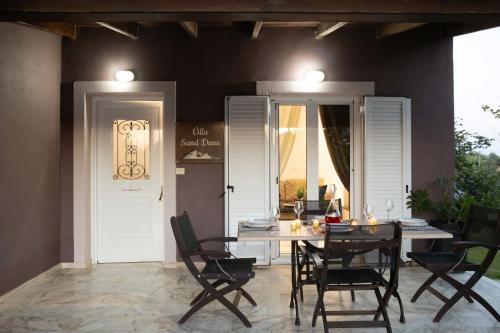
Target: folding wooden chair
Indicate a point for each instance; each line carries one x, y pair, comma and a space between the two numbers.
218, 266
482, 229
360, 242
305, 274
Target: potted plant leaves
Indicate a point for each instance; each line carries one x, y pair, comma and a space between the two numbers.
447, 213
299, 193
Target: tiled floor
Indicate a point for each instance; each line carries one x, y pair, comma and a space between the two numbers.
149, 298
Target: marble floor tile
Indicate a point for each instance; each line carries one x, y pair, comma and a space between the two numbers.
149, 298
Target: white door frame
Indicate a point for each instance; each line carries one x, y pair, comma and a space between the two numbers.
119, 97
83, 208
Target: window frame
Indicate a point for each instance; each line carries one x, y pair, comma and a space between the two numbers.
312, 102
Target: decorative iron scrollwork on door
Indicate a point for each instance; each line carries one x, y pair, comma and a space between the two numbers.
130, 149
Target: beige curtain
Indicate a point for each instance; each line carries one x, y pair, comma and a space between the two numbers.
336, 127
288, 122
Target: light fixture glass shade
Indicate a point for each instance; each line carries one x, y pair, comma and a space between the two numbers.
314, 76
124, 76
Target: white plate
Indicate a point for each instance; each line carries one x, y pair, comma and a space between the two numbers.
257, 223
341, 229
412, 222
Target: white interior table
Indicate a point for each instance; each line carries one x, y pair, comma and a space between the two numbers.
306, 233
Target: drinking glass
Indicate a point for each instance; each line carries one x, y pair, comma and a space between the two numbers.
389, 205
368, 211
275, 216
298, 207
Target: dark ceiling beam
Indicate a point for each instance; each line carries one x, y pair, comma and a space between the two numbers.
231, 6
191, 28
256, 29
128, 29
251, 10
326, 28
82, 17
59, 28
390, 29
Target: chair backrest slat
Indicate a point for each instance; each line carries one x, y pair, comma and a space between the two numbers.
364, 246
482, 225
363, 240
184, 234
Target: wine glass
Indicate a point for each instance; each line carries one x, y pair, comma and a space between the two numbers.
389, 205
368, 211
275, 216
298, 207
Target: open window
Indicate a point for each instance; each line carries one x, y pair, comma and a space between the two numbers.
312, 149
280, 149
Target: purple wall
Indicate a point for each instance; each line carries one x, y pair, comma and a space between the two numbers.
225, 61
30, 62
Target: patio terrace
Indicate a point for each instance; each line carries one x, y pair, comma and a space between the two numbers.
190, 60
151, 298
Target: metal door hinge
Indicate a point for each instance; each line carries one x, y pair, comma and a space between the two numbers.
362, 109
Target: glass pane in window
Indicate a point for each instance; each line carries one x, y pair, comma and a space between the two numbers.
130, 149
334, 153
292, 154
292, 161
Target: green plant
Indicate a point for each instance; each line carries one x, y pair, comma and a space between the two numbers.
477, 174
419, 202
446, 207
451, 206
300, 192
463, 205
477, 178
495, 113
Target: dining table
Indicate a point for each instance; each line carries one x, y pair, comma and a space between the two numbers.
284, 232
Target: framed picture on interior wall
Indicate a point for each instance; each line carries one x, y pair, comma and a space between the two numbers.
200, 142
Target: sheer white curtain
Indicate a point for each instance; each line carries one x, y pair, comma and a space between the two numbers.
288, 126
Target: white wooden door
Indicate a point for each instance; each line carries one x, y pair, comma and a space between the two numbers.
247, 169
128, 182
387, 154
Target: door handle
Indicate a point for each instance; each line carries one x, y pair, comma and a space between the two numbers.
161, 194
131, 189
229, 187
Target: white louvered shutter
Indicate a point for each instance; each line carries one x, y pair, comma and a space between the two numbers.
247, 169
387, 154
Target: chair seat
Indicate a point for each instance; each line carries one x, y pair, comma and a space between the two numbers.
353, 277
241, 268
308, 247
440, 261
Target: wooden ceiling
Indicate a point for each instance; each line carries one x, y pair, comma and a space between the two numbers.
324, 17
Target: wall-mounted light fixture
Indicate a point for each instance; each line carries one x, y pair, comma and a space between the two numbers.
124, 76
314, 76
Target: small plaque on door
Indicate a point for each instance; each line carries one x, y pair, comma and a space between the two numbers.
200, 142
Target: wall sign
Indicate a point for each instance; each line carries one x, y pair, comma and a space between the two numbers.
200, 142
